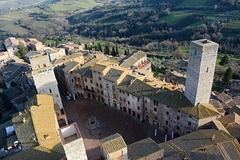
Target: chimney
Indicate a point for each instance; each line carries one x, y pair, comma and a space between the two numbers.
213, 137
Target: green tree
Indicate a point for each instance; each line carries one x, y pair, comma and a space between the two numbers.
224, 61
117, 52
228, 75
107, 49
86, 47
113, 51
100, 47
21, 50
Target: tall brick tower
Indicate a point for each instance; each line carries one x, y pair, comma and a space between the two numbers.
44, 77
200, 71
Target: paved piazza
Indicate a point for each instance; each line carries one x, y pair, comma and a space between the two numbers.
111, 120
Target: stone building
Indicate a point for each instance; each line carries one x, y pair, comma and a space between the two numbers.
72, 142
99, 70
54, 53
136, 60
110, 81
202, 144
200, 71
61, 63
157, 102
36, 130
33, 44
11, 44
44, 77
114, 147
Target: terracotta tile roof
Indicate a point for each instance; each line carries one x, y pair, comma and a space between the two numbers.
235, 109
25, 131
70, 67
43, 117
113, 143
224, 97
177, 100
86, 66
131, 59
230, 118
113, 74
199, 145
126, 82
219, 126
142, 148
98, 67
36, 153
38, 134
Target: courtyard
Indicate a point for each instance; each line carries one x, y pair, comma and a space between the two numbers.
109, 121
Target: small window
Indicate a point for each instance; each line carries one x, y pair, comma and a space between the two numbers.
97, 91
90, 81
178, 127
92, 89
145, 109
189, 123
120, 91
124, 100
86, 87
166, 122
101, 92
44, 65
156, 118
167, 113
128, 103
100, 86
127, 94
72, 80
85, 79
145, 101
120, 98
100, 78
178, 117
138, 108
155, 109
207, 70
50, 90
178, 111
107, 86
97, 84
138, 99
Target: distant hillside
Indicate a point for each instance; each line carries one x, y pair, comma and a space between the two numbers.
140, 22
14, 4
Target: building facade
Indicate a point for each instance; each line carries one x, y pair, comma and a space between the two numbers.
44, 77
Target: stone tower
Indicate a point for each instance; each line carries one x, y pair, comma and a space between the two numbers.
200, 71
44, 77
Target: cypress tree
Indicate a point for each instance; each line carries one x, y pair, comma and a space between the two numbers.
228, 75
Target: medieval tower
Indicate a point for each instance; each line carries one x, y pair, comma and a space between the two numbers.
200, 71
44, 77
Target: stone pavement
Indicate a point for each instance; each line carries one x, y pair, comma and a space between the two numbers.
113, 121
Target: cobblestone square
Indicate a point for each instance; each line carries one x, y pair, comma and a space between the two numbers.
112, 120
